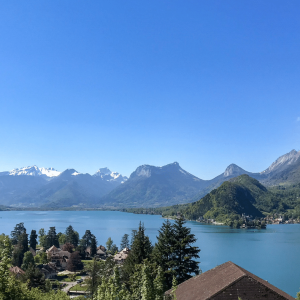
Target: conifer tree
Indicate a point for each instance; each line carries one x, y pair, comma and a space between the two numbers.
71, 236
86, 239
159, 286
141, 249
52, 239
184, 263
147, 290
93, 246
124, 241
163, 252
33, 239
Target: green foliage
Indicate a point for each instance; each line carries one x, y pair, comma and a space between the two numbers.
62, 238
125, 241
141, 249
163, 254
93, 246
184, 253
86, 240
41, 258
27, 260
42, 238
72, 236
33, 239
93, 281
15, 234
52, 238
34, 278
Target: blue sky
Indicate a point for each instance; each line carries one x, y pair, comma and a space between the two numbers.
88, 84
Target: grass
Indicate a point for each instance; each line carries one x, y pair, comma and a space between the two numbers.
78, 287
66, 278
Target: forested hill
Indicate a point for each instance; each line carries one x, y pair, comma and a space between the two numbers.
239, 195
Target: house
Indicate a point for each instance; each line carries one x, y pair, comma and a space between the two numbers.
121, 256
18, 272
101, 253
227, 282
58, 257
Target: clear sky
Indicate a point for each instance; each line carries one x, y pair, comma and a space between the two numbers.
89, 84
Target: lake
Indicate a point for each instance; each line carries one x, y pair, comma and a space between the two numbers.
272, 254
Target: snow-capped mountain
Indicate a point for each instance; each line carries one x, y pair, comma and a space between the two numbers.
107, 175
34, 171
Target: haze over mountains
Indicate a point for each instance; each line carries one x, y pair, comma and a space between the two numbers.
147, 186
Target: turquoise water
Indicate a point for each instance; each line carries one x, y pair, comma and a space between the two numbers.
272, 254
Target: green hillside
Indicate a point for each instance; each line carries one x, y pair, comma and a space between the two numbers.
239, 195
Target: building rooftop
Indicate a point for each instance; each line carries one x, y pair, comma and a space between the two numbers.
216, 284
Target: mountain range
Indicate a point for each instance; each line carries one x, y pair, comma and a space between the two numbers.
147, 186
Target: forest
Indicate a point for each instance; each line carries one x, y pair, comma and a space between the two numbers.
147, 272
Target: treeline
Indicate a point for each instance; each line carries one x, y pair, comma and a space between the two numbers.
149, 270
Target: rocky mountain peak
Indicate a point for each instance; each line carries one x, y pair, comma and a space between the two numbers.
234, 170
283, 161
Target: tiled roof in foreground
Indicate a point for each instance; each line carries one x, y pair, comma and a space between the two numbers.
228, 281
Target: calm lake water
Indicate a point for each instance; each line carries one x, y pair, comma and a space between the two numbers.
272, 254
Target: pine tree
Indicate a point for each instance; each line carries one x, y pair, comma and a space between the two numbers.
93, 246
86, 239
52, 239
72, 236
147, 289
159, 286
33, 239
124, 241
163, 252
141, 249
184, 252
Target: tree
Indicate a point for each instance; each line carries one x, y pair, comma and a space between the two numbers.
74, 262
20, 249
163, 252
62, 238
109, 244
52, 239
147, 289
94, 280
141, 249
18, 230
72, 236
33, 239
27, 260
17, 257
34, 278
41, 258
42, 238
184, 252
93, 246
68, 247
124, 241
86, 239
